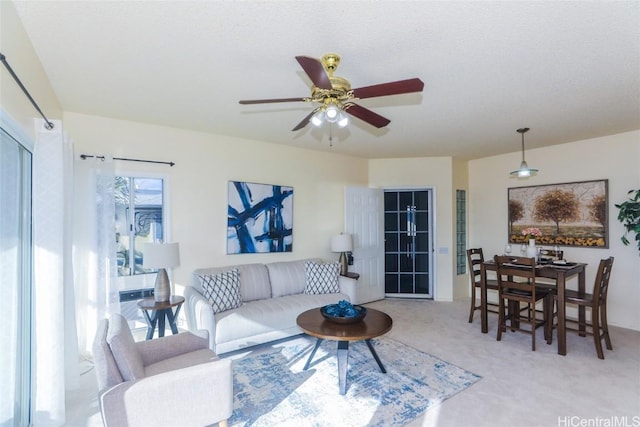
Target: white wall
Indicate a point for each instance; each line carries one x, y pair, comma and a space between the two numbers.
198, 184
205, 163
616, 158
431, 172
19, 53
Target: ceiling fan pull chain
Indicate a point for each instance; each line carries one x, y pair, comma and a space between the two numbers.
330, 134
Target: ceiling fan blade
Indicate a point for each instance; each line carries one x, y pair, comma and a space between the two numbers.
315, 71
367, 115
391, 88
269, 101
304, 121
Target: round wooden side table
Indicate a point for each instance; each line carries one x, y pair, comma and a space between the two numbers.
155, 314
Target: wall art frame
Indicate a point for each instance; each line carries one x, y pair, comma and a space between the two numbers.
259, 218
567, 214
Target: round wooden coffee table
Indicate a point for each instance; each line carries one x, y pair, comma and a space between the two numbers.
374, 324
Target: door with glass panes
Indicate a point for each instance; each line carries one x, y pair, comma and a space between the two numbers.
408, 243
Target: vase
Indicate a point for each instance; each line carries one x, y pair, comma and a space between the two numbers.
532, 251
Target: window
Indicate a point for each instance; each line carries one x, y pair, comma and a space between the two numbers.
461, 231
15, 269
139, 220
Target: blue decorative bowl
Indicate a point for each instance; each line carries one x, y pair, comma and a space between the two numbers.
338, 313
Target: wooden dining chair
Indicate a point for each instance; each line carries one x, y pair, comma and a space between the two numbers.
475, 258
517, 285
597, 302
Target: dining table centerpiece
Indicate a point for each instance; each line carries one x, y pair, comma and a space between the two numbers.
531, 233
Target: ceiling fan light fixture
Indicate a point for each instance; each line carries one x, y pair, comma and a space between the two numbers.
332, 113
316, 119
524, 171
344, 120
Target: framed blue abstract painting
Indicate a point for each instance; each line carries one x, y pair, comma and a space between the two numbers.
259, 218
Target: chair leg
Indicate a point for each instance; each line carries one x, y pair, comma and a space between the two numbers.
605, 326
501, 321
533, 335
597, 337
548, 317
473, 303
514, 311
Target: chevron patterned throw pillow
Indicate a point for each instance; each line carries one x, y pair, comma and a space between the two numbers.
321, 278
222, 290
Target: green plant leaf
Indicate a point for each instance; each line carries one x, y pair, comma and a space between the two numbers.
629, 216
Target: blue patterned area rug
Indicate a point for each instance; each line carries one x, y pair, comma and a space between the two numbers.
272, 389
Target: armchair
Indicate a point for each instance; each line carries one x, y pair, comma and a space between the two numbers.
174, 380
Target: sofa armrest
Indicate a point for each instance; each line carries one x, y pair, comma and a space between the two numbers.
349, 286
199, 314
198, 395
153, 351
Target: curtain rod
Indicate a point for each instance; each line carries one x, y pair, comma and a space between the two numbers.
48, 125
87, 156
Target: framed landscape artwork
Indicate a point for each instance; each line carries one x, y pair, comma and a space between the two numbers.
569, 214
259, 218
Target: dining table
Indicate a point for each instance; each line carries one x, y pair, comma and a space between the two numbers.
560, 273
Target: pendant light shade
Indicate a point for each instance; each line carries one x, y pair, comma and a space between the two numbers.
524, 171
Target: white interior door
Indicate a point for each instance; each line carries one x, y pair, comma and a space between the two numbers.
364, 210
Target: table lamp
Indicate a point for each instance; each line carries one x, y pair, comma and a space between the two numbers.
161, 256
342, 243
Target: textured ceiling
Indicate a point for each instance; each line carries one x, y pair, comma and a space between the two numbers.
568, 70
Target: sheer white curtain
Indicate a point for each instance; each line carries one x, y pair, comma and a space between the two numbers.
94, 247
56, 351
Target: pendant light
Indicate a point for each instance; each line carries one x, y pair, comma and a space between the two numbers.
524, 171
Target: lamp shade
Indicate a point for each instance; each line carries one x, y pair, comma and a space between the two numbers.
161, 255
342, 243
524, 171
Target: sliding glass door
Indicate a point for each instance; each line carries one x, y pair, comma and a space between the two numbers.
15, 281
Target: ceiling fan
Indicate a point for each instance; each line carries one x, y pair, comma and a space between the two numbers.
335, 96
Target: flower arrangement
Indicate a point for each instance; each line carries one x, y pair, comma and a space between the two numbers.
531, 232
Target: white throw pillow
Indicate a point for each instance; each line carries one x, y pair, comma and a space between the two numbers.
222, 290
322, 278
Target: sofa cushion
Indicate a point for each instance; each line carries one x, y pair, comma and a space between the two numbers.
275, 317
123, 348
287, 277
222, 290
181, 361
254, 280
322, 278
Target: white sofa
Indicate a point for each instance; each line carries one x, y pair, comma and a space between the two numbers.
272, 298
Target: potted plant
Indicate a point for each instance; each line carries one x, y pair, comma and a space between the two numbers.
629, 216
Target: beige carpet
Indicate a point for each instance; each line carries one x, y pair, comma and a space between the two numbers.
518, 386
